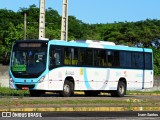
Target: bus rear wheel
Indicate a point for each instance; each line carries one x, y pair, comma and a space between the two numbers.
121, 90
68, 89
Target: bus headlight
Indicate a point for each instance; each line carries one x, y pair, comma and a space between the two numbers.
41, 79
11, 79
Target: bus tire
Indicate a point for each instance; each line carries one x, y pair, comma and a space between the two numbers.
121, 89
68, 89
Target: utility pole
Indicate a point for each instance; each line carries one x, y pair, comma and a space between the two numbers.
25, 26
42, 20
64, 24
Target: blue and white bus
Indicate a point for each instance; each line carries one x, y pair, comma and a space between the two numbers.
93, 67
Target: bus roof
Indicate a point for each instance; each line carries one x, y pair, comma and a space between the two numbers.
96, 45
101, 45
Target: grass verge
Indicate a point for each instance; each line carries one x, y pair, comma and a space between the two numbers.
7, 101
4, 91
11, 103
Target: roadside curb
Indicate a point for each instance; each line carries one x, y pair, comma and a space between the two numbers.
152, 94
82, 109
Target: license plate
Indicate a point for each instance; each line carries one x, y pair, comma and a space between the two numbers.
24, 88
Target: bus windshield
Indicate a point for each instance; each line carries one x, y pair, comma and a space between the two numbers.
28, 61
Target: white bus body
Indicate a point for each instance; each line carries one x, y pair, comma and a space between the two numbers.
106, 68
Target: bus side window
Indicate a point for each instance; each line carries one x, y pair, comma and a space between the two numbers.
96, 57
116, 59
137, 60
54, 57
148, 61
82, 57
67, 56
113, 58
99, 58
74, 53
89, 57
125, 59
110, 58
51, 58
57, 58
70, 56
103, 58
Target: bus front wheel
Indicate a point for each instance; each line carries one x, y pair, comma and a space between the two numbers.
68, 89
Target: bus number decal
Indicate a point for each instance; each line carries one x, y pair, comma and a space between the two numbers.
81, 71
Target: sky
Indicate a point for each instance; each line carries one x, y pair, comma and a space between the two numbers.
97, 11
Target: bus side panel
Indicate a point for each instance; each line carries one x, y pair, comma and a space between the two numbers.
98, 78
135, 79
58, 76
102, 76
56, 79
148, 81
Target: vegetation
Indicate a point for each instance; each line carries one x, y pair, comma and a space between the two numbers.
8, 100
141, 34
4, 91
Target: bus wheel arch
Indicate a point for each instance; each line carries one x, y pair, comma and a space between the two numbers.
68, 87
121, 88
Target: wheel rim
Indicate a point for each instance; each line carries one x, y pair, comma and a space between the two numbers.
66, 89
121, 89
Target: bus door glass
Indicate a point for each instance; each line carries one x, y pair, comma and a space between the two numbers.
55, 76
54, 57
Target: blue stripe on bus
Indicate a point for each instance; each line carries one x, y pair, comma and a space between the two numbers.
86, 79
127, 48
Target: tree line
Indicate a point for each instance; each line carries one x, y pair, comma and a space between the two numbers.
140, 34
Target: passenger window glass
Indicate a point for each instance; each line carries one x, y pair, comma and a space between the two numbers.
86, 57
100, 58
113, 58
137, 60
70, 56
89, 57
67, 56
148, 61
125, 59
54, 57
